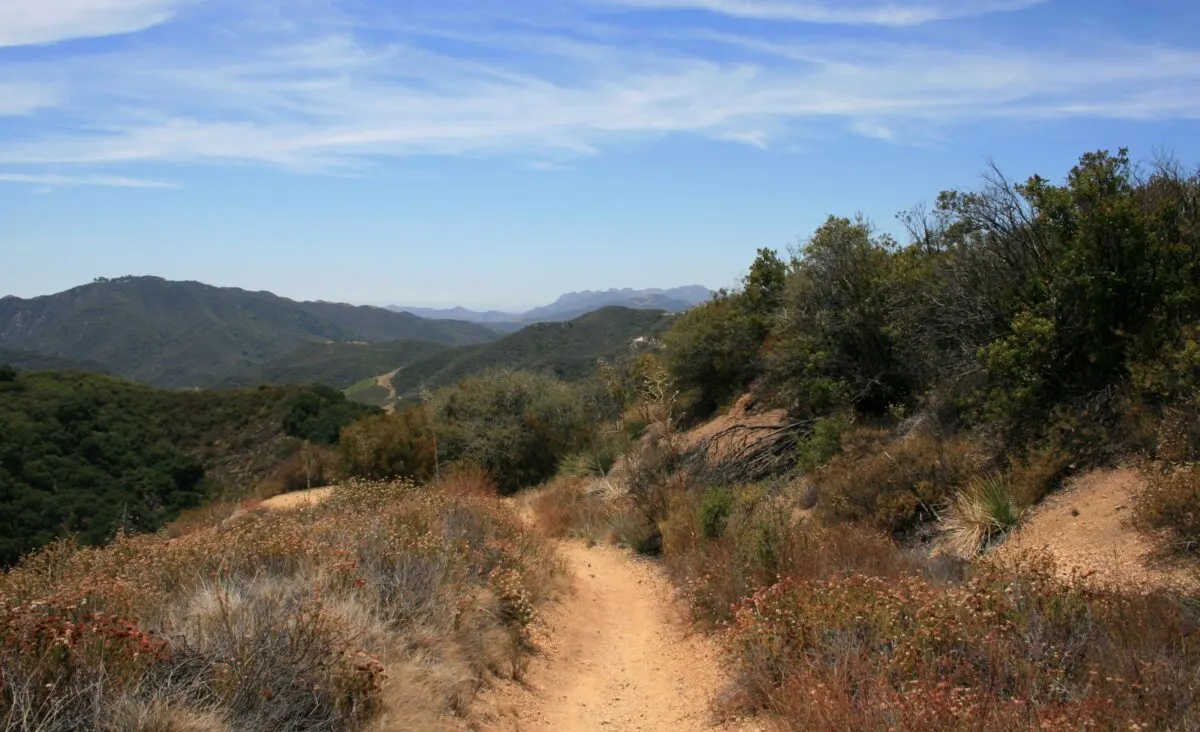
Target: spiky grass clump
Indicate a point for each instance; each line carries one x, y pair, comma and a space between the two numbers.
977, 514
593, 463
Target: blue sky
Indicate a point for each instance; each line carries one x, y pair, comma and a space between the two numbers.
497, 154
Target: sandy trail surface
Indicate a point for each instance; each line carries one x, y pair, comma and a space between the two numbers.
295, 499
615, 655
1087, 528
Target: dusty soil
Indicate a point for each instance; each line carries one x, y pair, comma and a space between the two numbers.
295, 499
1086, 528
743, 412
615, 655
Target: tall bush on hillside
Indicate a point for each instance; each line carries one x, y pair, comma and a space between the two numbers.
319, 414
712, 350
516, 425
834, 339
1062, 289
390, 445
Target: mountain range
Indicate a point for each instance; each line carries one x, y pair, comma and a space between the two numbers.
184, 334
572, 305
188, 334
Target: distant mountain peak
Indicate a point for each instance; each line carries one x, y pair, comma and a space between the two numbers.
571, 305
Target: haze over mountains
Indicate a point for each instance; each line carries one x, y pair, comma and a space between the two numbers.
574, 304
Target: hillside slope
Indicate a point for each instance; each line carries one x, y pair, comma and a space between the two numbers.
86, 454
567, 350
338, 365
178, 334
32, 361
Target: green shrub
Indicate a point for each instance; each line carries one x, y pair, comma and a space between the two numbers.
822, 443
836, 338
320, 413
715, 507
517, 426
390, 446
711, 352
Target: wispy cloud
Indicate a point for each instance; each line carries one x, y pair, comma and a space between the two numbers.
30, 22
322, 90
840, 12
45, 182
19, 99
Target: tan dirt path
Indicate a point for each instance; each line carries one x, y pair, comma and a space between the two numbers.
616, 656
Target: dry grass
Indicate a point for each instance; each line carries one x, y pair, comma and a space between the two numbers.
388, 605
834, 625
838, 627
1170, 506
1010, 649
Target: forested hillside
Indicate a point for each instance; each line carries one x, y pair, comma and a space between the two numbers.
181, 334
32, 361
88, 455
566, 350
338, 365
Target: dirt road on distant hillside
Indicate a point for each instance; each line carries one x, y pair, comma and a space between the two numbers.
616, 656
385, 380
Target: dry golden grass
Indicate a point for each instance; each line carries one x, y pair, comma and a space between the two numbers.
387, 607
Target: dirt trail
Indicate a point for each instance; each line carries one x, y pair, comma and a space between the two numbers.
385, 380
295, 499
615, 656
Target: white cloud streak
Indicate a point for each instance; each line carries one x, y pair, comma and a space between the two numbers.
20, 99
35, 22
842, 12
307, 98
45, 181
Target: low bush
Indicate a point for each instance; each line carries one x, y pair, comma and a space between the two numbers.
715, 506
893, 485
1009, 649
517, 426
1170, 504
390, 446
580, 508
312, 466
594, 462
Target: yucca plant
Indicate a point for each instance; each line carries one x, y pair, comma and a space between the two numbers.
979, 513
593, 463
